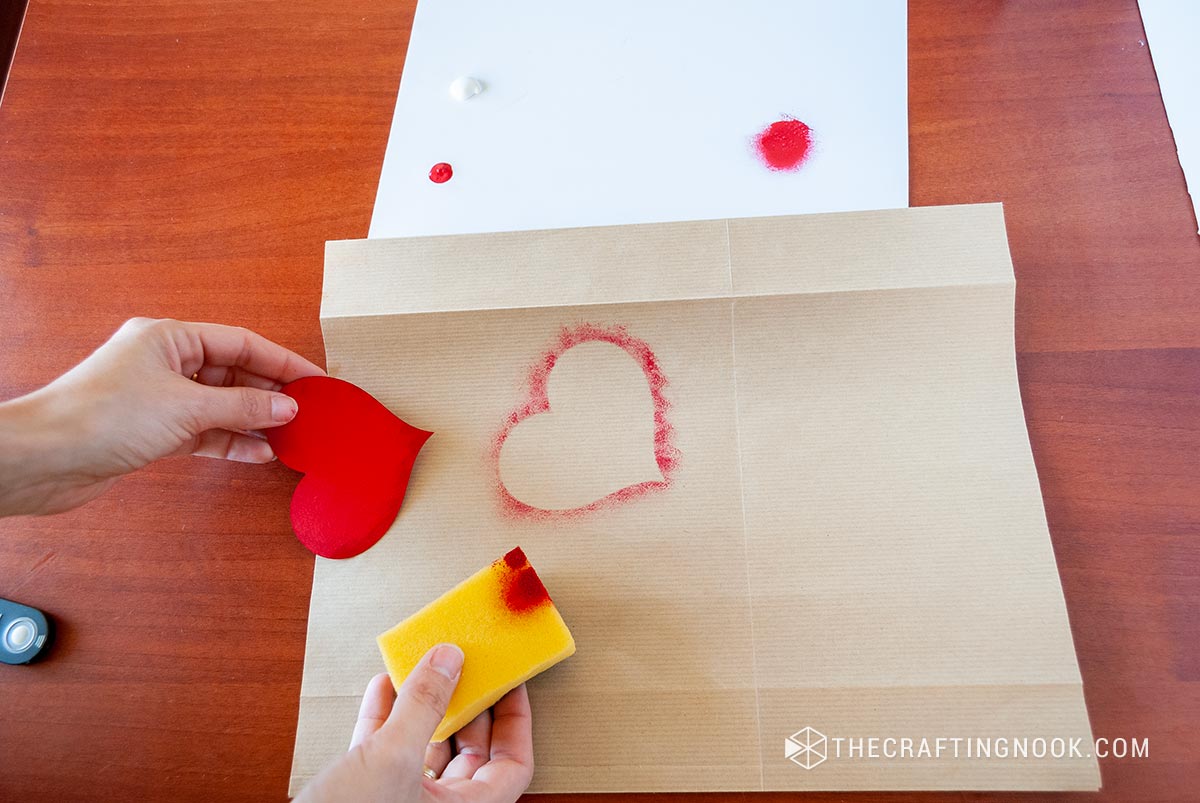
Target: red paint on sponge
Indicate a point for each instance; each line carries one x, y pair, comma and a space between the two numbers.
516, 558
525, 592
784, 145
523, 589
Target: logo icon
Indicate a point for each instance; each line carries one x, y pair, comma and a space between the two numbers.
806, 747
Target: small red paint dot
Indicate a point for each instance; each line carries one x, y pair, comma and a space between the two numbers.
784, 145
440, 173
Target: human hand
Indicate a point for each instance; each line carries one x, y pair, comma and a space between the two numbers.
156, 388
489, 761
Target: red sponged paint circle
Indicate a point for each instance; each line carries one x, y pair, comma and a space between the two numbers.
784, 145
440, 173
356, 456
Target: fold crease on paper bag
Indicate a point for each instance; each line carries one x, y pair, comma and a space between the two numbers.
853, 540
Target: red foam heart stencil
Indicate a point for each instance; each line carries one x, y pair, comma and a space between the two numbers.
356, 456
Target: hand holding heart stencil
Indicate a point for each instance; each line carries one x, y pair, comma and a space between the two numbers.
356, 456
593, 431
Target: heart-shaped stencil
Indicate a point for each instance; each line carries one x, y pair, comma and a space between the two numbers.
593, 430
356, 456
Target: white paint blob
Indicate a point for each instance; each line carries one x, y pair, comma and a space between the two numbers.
465, 88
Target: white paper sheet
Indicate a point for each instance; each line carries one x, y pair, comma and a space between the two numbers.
1173, 33
635, 111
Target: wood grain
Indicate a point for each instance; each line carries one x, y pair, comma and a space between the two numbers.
184, 159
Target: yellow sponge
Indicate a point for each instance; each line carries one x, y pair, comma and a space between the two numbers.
506, 625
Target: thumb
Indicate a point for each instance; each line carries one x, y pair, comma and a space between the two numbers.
242, 408
422, 698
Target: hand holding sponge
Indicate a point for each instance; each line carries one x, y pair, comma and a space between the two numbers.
508, 629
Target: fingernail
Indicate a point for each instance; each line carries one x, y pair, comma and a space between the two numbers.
283, 408
447, 659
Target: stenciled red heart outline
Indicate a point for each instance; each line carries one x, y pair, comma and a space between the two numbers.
356, 457
537, 401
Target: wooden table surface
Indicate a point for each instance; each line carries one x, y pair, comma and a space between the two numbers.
189, 159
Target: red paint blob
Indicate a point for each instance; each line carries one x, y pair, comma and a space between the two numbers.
665, 453
784, 145
440, 173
